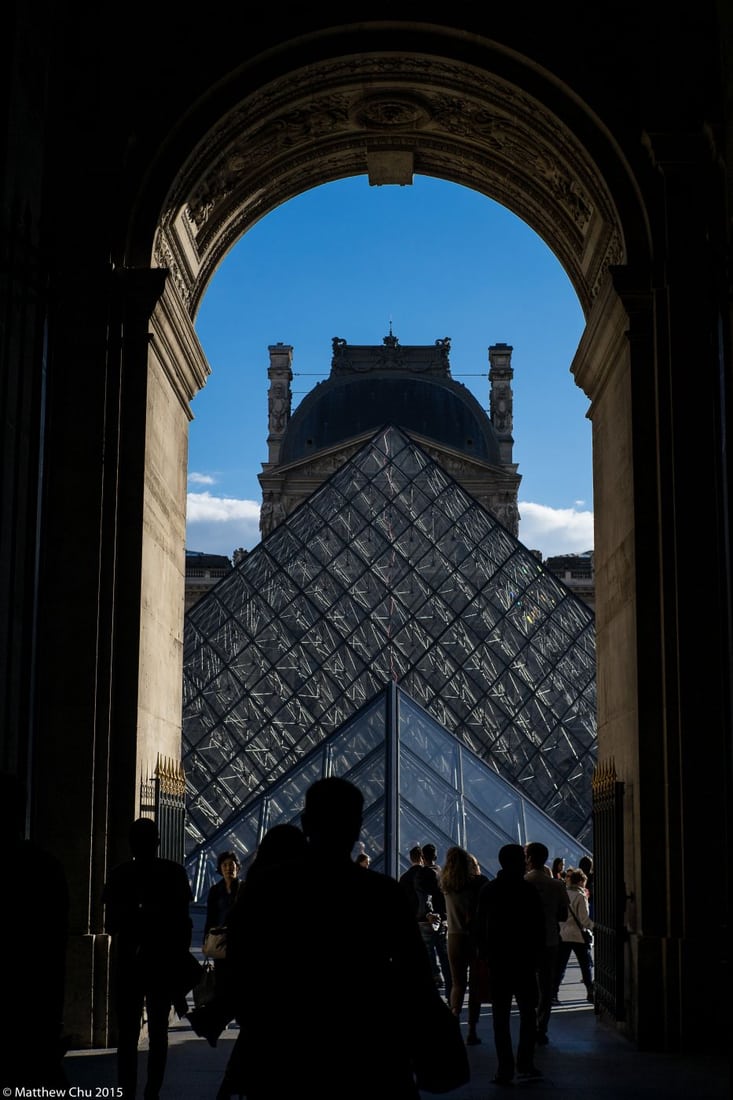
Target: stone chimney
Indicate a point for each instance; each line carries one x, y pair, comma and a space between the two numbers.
501, 398
279, 397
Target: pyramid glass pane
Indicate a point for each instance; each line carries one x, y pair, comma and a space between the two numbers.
389, 572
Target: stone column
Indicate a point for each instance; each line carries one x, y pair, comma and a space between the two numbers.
111, 589
693, 629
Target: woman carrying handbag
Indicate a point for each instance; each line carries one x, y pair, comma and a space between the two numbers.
576, 934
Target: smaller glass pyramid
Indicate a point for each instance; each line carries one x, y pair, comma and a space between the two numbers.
419, 784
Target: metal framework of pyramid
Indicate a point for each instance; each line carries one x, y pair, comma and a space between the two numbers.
389, 573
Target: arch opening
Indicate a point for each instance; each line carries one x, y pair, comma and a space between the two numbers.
453, 121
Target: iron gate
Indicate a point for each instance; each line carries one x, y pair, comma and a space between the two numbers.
609, 891
163, 797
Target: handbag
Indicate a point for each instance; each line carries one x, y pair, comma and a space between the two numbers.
188, 973
203, 991
215, 943
439, 1059
194, 973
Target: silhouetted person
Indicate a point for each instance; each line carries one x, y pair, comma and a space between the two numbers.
346, 947
281, 846
461, 881
147, 900
433, 925
34, 921
408, 877
219, 901
558, 868
555, 905
585, 864
511, 934
573, 934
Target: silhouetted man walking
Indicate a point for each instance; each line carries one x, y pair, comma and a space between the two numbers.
555, 906
346, 946
146, 902
511, 937
434, 935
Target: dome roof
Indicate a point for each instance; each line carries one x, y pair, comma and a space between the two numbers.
350, 405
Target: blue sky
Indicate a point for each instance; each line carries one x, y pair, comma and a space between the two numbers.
434, 260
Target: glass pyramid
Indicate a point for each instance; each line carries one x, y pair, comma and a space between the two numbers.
419, 783
390, 572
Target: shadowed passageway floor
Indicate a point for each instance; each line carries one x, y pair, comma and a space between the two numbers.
584, 1060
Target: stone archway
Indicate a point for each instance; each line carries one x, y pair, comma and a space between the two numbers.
391, 116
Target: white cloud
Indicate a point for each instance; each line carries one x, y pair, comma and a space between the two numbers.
218, 525
201, 479
555, 530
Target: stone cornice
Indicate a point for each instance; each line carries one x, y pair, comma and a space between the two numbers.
602, 342
176, 347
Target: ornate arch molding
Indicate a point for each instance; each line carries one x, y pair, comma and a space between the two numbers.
439, 117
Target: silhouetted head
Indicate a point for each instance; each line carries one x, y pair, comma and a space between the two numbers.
430, 853
280, 844
558, 867
362, 860
416, 854
512, 860
144, 838
333, 813
585, 864
536, 854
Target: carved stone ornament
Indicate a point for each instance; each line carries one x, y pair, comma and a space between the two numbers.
390, 111
165, 256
